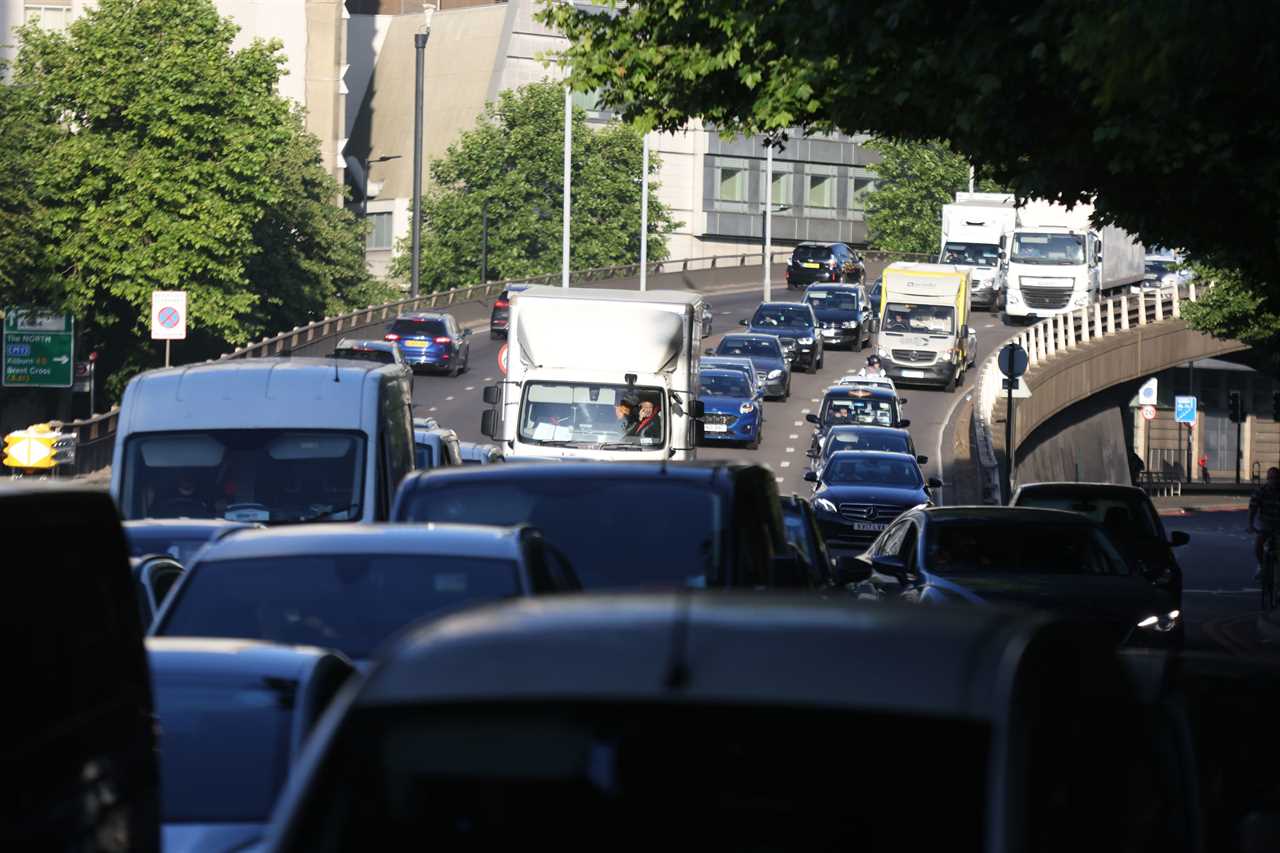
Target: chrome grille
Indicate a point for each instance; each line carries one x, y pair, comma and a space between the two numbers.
1046, 297
880, 513
914, 356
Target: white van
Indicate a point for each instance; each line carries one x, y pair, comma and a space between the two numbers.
273, 440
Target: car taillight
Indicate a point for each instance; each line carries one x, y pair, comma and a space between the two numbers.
443, 340
501, 303
391, 336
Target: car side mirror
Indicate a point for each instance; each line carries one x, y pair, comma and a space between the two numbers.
890, 564
923, 460
902, 401
1000, 254
488, 423
709, 352
811, 453
850, 570
811, 418
466, 333
1178, 538
743, 323
810, 477
935, 483
490, 395
904, 423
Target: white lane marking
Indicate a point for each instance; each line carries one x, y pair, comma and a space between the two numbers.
793, 437
941, 432
725, 313
779, 479
791, 450
432, 409
447, 399
815, 400
469, 388
799, 423
488, 379
804, 411
786, 464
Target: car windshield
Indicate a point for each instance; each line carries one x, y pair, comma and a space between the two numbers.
615, 532
858, 410
225, 749
375, 355
267, 475
347, 602
921, 319
1124, 517
874, 470
832, 300
971, 254
750, 347
782, 316
723, 384
812, 253
850, 440
406, 327
1047, 249
580, 414
1020, 547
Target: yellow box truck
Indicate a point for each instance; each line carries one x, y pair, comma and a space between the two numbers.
924, 336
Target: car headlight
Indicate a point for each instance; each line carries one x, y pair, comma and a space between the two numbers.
883, 352
849, 324
806, 341
825, 505
1013, 297
1164, 623
774, 374
746, 408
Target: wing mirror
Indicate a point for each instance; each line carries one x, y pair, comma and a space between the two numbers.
811, 418
923, 460
490, 395
1178, 538
935, 483
709, 352
810, 477
697, 408
904, 423
488, 423
743, 323
902, 401
850, 570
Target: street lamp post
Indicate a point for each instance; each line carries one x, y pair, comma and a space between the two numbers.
767, 247
420, 51
364, 190
644, 215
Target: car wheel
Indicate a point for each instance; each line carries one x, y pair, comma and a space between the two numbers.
812, 367
822, 359
455, 369
950, 387
754, 444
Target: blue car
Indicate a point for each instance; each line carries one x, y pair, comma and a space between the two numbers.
773, 370
731, 411
431, 341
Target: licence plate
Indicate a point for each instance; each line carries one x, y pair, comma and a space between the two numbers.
913, 374
715, 428
810, 266
828, 333
419, 344
868, 526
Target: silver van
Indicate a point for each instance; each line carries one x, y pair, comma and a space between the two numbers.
272, 440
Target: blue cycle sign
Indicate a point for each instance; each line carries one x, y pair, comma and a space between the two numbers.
38, 348
1184, 410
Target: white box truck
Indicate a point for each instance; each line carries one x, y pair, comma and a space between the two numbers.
925, 338
1055, 260
972, 229
599, 374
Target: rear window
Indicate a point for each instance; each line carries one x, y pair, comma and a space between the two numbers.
1120, 514
812, 253
992, 547
419, 327
374, 355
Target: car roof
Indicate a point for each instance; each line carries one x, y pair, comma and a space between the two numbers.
218, 659
701, 470
858, 391
727, 370
872, 454
755, 336
472, 540
777, 303
852, 288
423, 315
354, 343
811, 245
177, 525
749, 649
838, 429
1018, 515
1073, 488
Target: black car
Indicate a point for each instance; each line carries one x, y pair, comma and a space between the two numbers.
796, 328
802, 528
179, 538
500, 316
830, 262
856, 405
844, 314
863, 437
154, 576
859, 492
1041, 558
626, 524
773, 369
1130, 519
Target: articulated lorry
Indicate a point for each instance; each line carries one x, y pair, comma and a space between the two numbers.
925, 338
1056, 261
972, 229
599, 374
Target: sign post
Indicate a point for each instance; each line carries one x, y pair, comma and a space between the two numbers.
168, 318
39, 348
1184, 412
1013, 363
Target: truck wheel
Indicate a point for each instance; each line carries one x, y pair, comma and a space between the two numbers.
951, 383
822, 361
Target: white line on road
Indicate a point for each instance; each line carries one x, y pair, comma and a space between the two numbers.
814, 400
448, 399
791, 450
799, 423
786, 464
779, 479
469, 388
432, 409
488, 379
793, 437
804, 411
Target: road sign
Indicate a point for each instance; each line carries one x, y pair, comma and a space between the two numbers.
502, 359
1013, 360
1184, 409
1149, 412
168, 315
38, 348
39, 447
1147, 393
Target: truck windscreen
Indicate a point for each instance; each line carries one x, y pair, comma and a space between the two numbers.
971, 254
582, 414
1047, 249
922, 319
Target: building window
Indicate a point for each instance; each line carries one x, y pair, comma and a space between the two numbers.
48, 16
859, 189
781, 191
822, 191
380, 236
733, 184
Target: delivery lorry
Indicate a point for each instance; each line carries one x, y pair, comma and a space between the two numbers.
925, 338
599, 374
1055, 261
972, 229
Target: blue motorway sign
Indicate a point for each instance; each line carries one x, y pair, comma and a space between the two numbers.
1184, 410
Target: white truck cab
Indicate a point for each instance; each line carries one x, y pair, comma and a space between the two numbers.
972, 228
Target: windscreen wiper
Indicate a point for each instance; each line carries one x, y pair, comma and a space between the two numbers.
623, 445
327, 514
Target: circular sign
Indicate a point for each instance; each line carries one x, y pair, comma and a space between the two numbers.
168, 317
502, 359
1149, 412
1013, 360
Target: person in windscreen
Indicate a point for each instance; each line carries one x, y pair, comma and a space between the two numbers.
649, 426
1264, 516
625, 410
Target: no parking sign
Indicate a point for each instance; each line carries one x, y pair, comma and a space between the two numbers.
168, 315
502, 359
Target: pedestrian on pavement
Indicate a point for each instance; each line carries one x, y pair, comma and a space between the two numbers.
1204, 469
1264, 515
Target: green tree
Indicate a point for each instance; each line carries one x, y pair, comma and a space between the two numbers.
514, 159
169, 162
1157, 110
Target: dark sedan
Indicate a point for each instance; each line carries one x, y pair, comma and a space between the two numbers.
831, 262
1041, 558
863, 437
860, 492
844, 314
796, 326
773, 370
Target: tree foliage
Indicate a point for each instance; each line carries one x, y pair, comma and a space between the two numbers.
513, 159
1160, 111
167, 161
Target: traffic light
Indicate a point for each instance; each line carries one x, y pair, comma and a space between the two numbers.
1235, 407
1275, 406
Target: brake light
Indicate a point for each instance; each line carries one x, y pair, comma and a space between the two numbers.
443, 340
391, 336
501, 303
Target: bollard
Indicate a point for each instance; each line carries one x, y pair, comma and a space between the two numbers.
1142, 308
1124, 313
1084, 324
1069, 329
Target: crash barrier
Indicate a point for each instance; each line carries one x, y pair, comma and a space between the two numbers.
1147, 314
96, 434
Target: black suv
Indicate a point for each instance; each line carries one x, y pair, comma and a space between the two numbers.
826, 262
796, 327
500, 316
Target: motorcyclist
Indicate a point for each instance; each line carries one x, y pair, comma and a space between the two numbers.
873, 367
